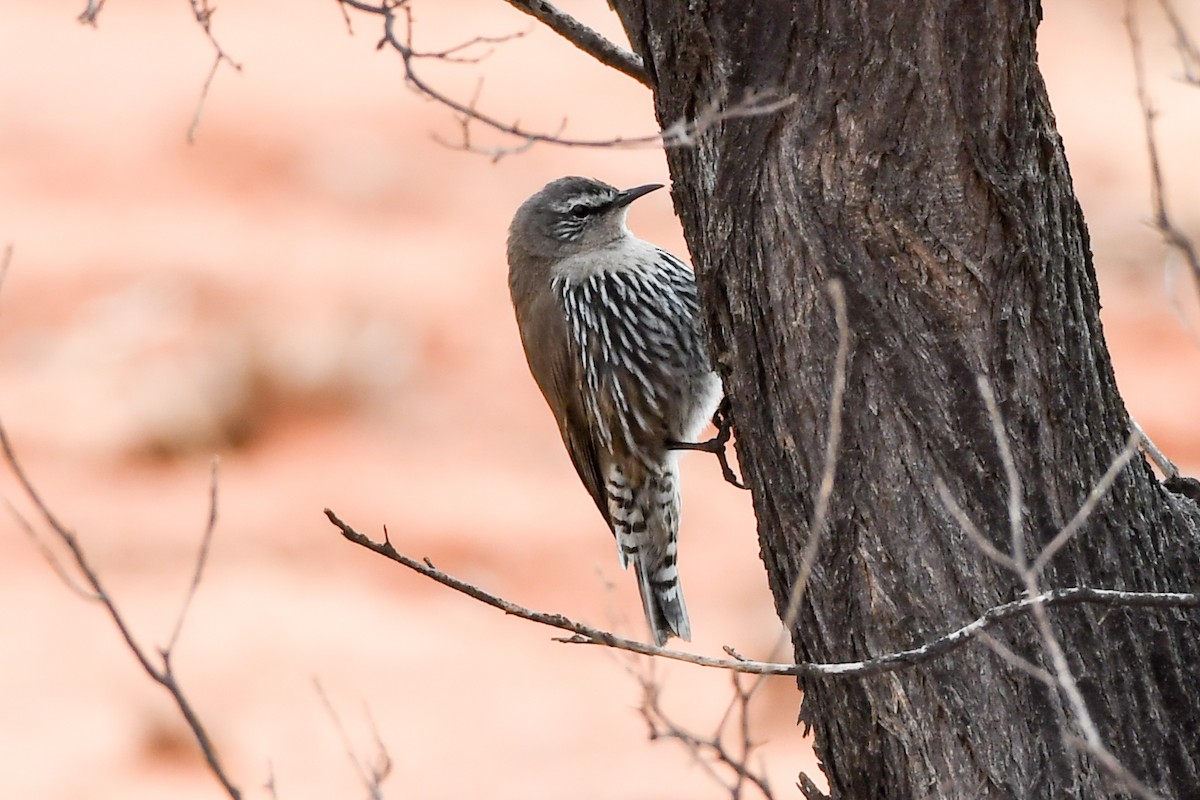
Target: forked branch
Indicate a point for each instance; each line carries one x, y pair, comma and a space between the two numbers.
890, 662
681, 133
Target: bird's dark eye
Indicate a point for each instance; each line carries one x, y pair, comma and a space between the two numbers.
579, 211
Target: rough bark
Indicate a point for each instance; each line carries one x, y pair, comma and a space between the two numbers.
921, 166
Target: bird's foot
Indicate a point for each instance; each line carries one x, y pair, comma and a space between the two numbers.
716, 445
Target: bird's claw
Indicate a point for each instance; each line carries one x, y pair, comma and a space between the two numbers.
716, 445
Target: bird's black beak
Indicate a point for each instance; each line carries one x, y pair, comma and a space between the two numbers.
629, 195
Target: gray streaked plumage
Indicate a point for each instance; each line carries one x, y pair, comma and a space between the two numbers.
611, 330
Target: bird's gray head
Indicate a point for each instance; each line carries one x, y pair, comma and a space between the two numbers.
571, 215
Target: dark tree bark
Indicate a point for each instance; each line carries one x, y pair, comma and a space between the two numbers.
920, 165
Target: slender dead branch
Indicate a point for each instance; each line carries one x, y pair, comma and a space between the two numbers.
91, 12
372, 775
833, 441
1189, 53
1060, 675
94, 590
586, 634
1089, 505
1172, 234
1165, 465
164, 675
709, 750
52, 560
586, 39
968, 526
201, 558
682, 133
203, 13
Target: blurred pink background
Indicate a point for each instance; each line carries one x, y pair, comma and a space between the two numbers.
315, 291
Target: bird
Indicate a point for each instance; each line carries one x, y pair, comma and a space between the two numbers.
612, 334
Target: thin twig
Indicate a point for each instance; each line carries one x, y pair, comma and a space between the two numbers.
586, 39
1014, 659
1060, 673
968, 526
1012, 479
91, 12
707, 750
1172, 234
371, 775
682, 133
1189, 53
586, 634
1165, 465
1089, 504
164, 676
833, 441
201, 558
204, 14
55, 563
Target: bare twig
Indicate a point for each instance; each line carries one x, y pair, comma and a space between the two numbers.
1016, 660
1060, 674
682, 133
371, 775
1189, 53
709, 750
1172, 234
1165, 465
164, 675
586, 634
94, 590
203, 13
833, 440
1089, 504
968, 526
455, 53
55, 563
1012, 479
201, 558
586, 39
91, 12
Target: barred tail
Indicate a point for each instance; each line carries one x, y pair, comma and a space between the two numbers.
662, 597
644, 510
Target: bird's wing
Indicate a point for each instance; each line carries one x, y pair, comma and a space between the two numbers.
544, 335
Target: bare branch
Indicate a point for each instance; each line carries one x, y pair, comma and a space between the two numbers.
968, 526
1013, 659
1172, 234
203, 14
371, 775
1115, 768
1089, 504
586, 634
164, 676
95, 590
709, 750
1189, 53
91, 12
201, 558
59, 568
833, 440
1012, 479
1061, 674
586, 39
1165, 465
453, 54
681, 133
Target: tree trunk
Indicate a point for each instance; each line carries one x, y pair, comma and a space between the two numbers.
919, 164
